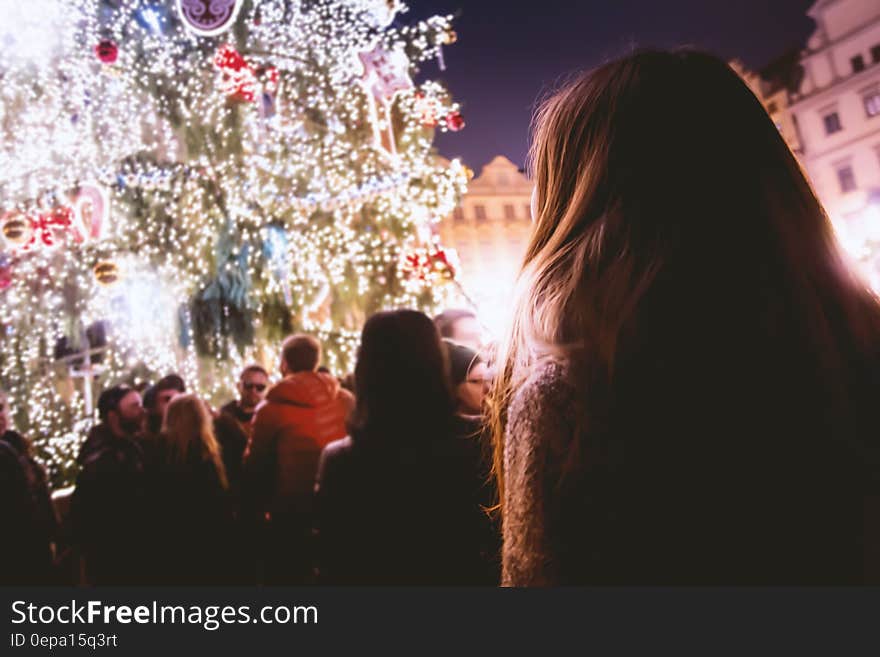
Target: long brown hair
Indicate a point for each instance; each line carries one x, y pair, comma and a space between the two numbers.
401, 380
673, 223
189, 434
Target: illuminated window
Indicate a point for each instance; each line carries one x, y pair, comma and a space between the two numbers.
846, 178
832, 123
872, 102
858, 63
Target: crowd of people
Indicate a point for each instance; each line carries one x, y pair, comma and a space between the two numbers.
687, 393
297, 482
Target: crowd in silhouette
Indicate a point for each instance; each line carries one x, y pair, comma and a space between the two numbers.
298, 482
687, 394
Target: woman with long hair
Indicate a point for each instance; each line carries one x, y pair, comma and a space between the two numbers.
397, 501
192, 510
686, 393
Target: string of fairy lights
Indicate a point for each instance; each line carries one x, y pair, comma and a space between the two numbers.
179, 188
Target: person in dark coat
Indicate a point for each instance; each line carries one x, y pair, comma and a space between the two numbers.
27, 519
395, 500
109, 502
155, 400
233, 425
190, 509
469, 378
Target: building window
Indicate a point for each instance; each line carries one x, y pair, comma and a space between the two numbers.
872, 102
527, 211
480, 212
858, 63
847, 178
458, 214
875, 54
832, 123
509, 212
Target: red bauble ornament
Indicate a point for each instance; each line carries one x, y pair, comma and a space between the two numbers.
455, 121
107, 51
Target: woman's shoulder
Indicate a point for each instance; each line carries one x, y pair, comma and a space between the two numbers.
547, 388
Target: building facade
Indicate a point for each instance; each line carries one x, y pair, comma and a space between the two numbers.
489, 232
837, 110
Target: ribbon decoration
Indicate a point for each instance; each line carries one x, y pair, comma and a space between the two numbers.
241, 81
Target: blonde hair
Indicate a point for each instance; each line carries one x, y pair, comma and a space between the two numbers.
189, 434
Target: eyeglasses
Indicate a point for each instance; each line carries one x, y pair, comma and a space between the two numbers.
259, 387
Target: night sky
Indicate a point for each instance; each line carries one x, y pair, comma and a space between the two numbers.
510, 51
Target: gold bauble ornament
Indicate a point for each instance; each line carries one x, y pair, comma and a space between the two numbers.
106, 272
17, 230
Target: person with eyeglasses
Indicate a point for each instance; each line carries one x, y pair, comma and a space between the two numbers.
252, 384
233, 424
469, 377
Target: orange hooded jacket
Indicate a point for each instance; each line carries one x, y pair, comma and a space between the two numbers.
300, 415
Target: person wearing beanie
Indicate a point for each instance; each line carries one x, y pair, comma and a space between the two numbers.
469, 376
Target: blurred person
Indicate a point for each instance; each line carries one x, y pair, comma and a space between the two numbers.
687, 393
469, 376
233, 425
460, 326
398, 500
191, 513
302, 413
27, 518
108, 503
157, 398
470, 379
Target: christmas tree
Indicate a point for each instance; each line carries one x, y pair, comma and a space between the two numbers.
182, 183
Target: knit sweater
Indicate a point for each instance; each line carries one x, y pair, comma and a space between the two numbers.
716, 506
539, 429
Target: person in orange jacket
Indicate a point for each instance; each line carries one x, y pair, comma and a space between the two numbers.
301, 414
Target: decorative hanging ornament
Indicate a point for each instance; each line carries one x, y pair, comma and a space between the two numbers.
91, 209
17, 229
107, 51
385, 72
48, 225
455, 121
208, 17
246, 83
106, 272
427, 110
429, 265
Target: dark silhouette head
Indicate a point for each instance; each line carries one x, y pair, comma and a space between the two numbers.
402, 389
